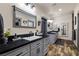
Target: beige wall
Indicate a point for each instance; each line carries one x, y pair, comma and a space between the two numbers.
66, 18
39, 15
6, 11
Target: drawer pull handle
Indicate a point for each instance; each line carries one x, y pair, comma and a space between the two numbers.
38, 43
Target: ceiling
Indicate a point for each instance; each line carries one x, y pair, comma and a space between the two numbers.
52, 9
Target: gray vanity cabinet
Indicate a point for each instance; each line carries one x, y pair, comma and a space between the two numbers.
52, 38
22, 51
45, 45
37, 48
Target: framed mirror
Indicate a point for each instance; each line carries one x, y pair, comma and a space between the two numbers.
23, 19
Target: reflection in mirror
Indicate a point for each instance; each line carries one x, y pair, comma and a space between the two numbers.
23, 19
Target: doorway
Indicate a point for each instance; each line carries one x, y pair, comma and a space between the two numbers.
44, 26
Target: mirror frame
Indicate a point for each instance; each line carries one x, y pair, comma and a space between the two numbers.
23, 12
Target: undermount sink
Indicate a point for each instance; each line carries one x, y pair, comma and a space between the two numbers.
19, 38
27, 38
31, 38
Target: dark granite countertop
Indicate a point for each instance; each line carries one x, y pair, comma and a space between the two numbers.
12, 45
15, 44
52, 32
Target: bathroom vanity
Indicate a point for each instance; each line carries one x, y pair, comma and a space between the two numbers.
28, 46
21, 47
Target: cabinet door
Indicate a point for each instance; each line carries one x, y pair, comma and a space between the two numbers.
36, 52
37, 48
45, 45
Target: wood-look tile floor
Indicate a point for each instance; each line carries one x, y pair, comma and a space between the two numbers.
62, 48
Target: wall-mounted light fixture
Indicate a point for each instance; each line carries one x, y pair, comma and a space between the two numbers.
31, 5
39, 22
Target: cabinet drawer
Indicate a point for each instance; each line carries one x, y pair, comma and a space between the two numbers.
25, 54
36, 44
17, 51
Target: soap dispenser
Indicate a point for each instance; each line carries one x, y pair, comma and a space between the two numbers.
15, 37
